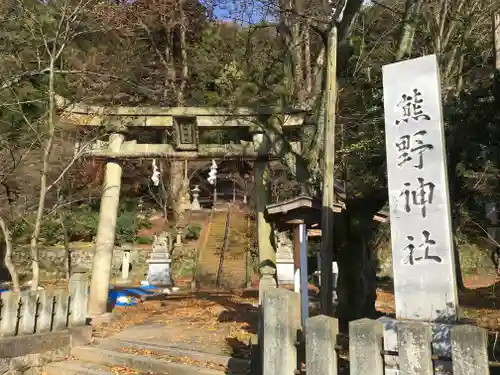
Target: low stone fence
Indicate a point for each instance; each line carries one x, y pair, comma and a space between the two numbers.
282, 324
53, 260
41, 326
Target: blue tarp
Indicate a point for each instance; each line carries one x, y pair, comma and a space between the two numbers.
124, 297
115, 294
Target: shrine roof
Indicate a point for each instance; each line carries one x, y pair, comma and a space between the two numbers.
305, 209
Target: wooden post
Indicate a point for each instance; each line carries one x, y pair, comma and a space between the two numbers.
304, 285
296, 258
496, 36
327, 225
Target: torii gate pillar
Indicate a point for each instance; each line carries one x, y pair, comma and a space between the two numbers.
267, 252
106, 231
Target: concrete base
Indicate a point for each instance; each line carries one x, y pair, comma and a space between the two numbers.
80, 336
102, 319
159, 273
285, 273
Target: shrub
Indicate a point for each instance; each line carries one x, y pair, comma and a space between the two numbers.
144, 240
193, 231
81, 224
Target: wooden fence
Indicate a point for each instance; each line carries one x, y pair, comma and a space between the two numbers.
281, 310
42, 311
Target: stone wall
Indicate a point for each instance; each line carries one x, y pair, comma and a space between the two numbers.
27, 355
53, 261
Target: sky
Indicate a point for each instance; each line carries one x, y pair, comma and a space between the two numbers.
246, 12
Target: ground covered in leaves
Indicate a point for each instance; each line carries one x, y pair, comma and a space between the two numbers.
479, 301
225, 323
216, 322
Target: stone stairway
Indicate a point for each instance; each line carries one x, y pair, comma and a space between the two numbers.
115, 356
234, 271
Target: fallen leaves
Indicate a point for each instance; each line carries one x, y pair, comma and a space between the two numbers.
168, 358
119, 370
223, 322
479, 303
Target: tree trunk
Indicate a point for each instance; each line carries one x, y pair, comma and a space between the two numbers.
307, 60
357, 261
455, 183
184, 62
296, 44
496, 40
328, 199
43, 180
16, 286
66, 246
404, 47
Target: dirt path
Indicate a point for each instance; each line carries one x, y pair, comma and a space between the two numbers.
214, 322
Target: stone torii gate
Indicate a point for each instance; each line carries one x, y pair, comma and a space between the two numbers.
178, 131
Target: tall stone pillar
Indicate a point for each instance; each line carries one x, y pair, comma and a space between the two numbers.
265, 234
105, 241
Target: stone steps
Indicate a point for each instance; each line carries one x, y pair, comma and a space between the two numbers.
106, 359
74, 367
235, 257
235, 365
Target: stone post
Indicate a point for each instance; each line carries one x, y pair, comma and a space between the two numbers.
469, 350
9, 313
195, 205
125, 265
415, 352
78, 289
105, 241
159, 270
27, 322
178, 237
365, 347
285, 269
61, 309
281, 323
45, 311
321, 339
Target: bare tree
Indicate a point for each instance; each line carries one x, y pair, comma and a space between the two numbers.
48, 30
